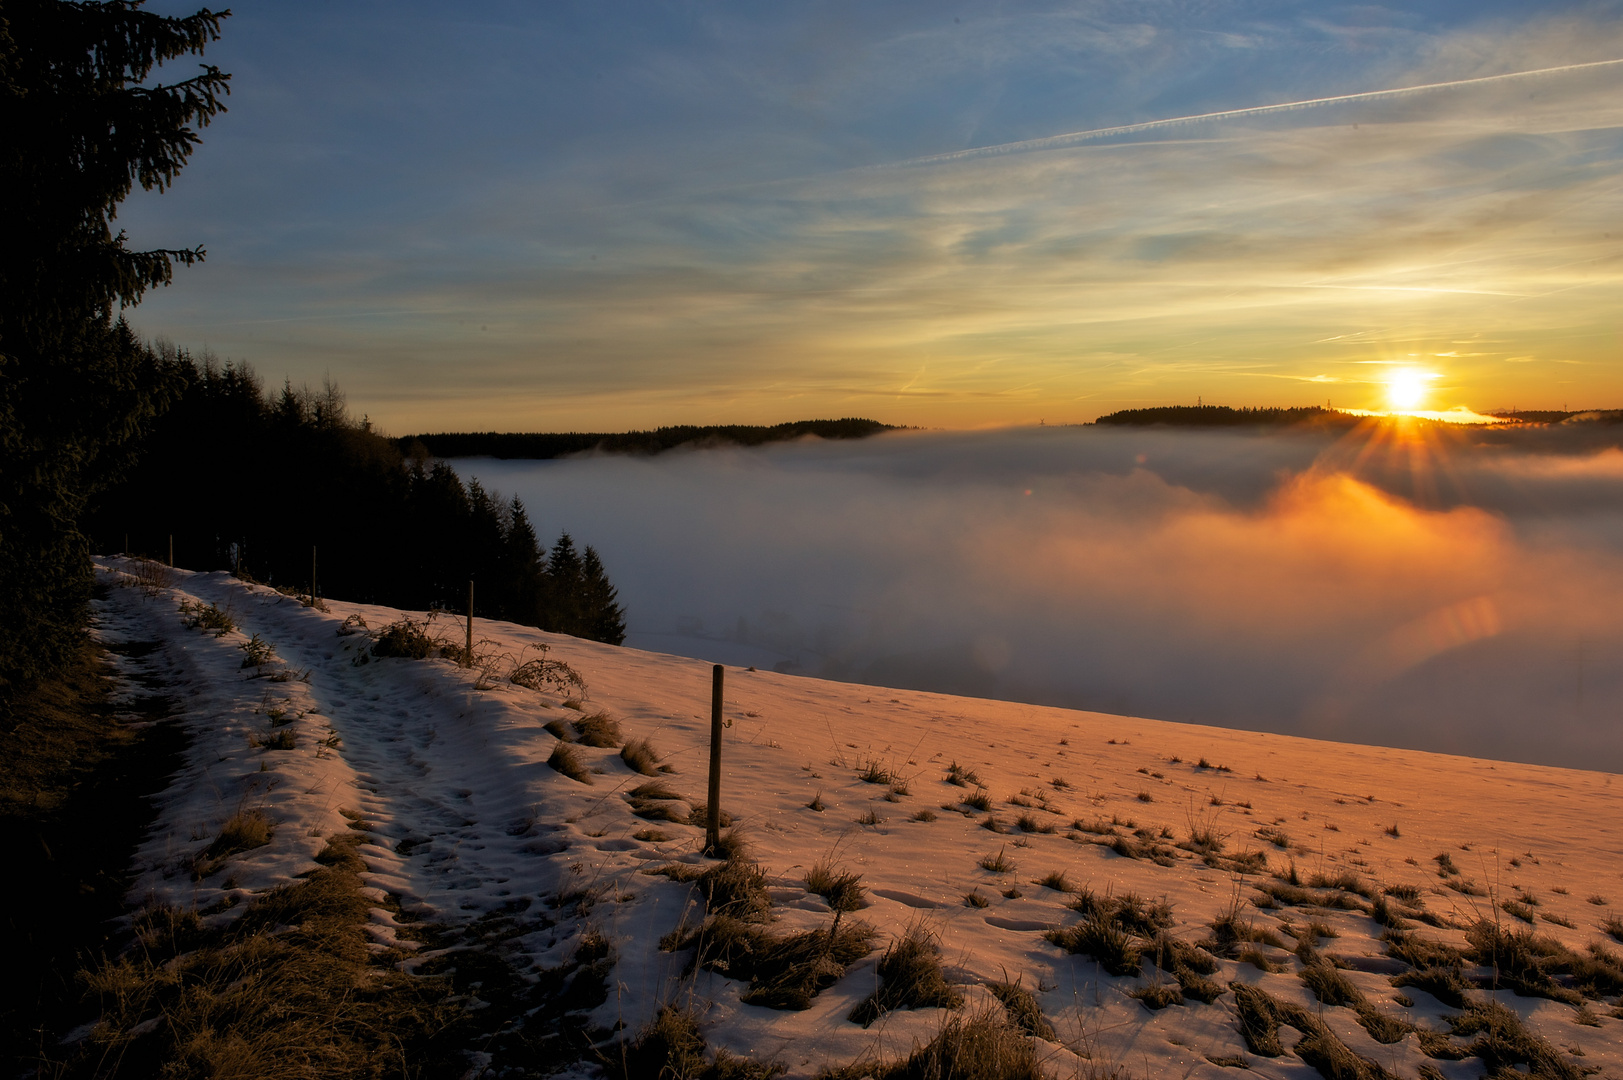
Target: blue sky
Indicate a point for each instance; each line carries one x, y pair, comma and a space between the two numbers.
553, 216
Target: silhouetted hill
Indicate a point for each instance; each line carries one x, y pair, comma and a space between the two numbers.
540, 445
1222, 416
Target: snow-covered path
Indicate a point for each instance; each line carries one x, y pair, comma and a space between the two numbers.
449, 774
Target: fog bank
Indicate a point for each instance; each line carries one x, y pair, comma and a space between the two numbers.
1443, 591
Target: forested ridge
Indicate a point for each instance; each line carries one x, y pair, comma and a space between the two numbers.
544, 445
288, 485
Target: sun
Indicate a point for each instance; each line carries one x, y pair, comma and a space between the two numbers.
1406, 389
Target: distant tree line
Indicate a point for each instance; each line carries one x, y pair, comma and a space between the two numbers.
266, 484
543, 445
1222, 416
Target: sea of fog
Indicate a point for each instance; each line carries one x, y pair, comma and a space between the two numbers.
1455, 591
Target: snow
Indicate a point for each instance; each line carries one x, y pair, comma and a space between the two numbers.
447, 771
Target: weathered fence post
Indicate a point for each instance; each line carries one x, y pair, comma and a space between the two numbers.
712, 825
312, 575
171, 549
468, 655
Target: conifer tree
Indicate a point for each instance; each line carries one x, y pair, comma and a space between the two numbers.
79, 128
605, 619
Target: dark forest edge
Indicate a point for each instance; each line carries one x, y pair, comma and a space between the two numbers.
1315, 415
540, 446
289, 489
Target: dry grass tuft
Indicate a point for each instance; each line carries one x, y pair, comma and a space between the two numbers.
1056, 880
910, 978
923, 815
975, 899
243, 831
566, 759
672, 1048
600, 730
842, 889
641, 757
983, 1047
1023, 1010
997, 864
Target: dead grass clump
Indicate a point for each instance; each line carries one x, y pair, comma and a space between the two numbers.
870, 817
1344, 881
1186, 963
1446, 984
1023, 1010
875, 773
655, 801
730, 845
150, 575
1101, 936
842, 889
962, 777
284, 739
1029, 823
1056, 880
1532, 964
1096, 827
1230, 931
980, 800
1297, 896
1158, 994
641, 757
1134, 913
559, 730
975, 899
1520, 910
983, 1047
1614, 927
672, 1047
923, 815
1275, 836
599, 729
1445, 865
1260, 1016
699, 818
242, 831
567, 760
997, 864
790, 971
288, 989
1503, 1043
910, 978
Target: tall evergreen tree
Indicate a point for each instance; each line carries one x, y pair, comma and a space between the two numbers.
78, 129
604, 618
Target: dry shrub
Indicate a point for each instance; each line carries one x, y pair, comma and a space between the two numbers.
600, 730
539, 673
195, 616
405, 639
983, 1047
565, 758
910, 978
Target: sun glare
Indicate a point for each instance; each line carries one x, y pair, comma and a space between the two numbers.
1406, 389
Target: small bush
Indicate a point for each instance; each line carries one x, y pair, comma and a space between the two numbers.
406, 640
641, 757
567, 760
539, 673
257, 652
194, 615
910, 978
600, 730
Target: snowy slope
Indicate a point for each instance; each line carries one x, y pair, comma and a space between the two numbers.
449, 772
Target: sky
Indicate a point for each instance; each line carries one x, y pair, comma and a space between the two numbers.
1436, 591
600, 216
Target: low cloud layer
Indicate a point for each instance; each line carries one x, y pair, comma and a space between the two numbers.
1453, 594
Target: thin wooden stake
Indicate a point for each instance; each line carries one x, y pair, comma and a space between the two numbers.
468, 655
171, 549
312, 575
712, 825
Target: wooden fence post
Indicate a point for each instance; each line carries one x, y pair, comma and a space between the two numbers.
467, 657
312, 575
712, 825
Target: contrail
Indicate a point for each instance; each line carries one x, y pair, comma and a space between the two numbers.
1055, 142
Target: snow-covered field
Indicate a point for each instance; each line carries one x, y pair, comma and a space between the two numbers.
449, 771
